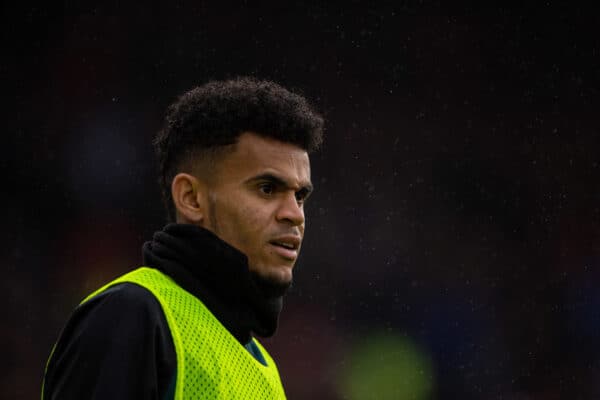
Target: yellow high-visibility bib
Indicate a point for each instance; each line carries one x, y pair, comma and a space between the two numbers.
211, 363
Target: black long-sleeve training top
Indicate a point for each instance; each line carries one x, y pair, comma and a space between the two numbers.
118, 344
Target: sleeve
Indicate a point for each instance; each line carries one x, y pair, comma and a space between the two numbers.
115, 346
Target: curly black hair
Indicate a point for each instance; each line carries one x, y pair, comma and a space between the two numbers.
215, 114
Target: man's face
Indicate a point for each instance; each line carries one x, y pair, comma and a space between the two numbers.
257, 203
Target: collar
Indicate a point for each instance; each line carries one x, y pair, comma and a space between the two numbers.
216, 273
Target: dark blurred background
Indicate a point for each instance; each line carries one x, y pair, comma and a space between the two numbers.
453, 242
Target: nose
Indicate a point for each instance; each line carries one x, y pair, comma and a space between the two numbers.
290, 211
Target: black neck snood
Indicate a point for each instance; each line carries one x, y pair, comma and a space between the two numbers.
217, 274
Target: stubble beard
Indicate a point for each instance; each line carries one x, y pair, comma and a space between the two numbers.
269, 287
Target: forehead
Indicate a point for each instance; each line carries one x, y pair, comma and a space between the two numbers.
254, 154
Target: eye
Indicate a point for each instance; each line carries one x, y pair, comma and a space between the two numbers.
301, 196
266, 188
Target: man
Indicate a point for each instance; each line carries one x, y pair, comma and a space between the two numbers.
235, 174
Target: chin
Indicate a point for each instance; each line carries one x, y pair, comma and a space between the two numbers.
283, 273
276, 280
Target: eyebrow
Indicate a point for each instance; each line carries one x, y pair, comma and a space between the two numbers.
307, 187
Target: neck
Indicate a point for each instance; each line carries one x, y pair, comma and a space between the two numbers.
218, 275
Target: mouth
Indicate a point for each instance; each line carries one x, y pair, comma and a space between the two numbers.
286, 246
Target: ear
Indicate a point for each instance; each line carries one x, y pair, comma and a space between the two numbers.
189, 197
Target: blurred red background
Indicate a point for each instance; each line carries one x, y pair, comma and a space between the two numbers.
457, 202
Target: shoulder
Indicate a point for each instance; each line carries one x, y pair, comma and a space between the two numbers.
116, 341
121, 298
121, 311
125, 309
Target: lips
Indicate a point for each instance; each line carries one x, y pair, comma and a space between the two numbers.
286, 246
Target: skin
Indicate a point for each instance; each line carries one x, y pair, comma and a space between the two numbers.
254, 201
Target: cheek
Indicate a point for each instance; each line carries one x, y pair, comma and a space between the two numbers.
249, 226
